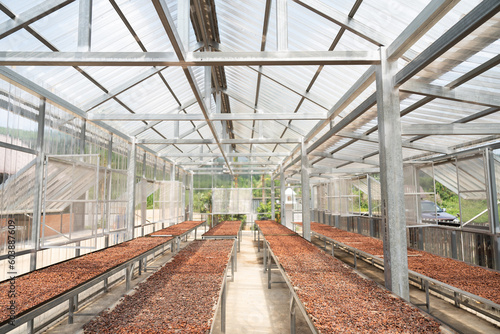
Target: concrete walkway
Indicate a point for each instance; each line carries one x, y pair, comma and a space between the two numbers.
251, 306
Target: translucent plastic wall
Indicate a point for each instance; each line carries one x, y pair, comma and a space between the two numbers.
420, 195
159, 195
248, 197
346, 198
71, 205
349, 196
80, 184
456, 189
19, 114
232, 201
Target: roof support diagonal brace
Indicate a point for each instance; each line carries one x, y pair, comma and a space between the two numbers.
169, 26
31, 15
344, 21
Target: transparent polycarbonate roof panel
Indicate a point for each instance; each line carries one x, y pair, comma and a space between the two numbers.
241, 130
109, 33
21, 40
65, 82
448, 78
360, 148
447, 141
126, 127
199, 76
334, 81
276, 98
297, 78
441, 111
240, 26
446, 22
291, 134
239, 108
150, 96
143, 18
4, 17
178, 83
206, 132
307, 30
110, 107
18, 7
271, 129
194, 135
456, 58
353, 42
488, 81
389, 18
242, 82
167, 128
113, 77
363, 123
60, 28
149, 134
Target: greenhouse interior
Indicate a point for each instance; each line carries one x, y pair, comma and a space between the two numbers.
264, 166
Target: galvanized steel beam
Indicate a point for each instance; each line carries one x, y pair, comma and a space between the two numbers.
453, 129
392, 181
203, 117
472, 96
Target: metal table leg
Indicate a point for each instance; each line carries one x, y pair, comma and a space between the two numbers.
265, 256
269, 273
223, 308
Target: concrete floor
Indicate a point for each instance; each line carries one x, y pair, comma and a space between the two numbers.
252, 308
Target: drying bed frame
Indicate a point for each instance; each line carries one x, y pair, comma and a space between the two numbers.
225, 230
458, 297
179, 231
155, 305
71, 295
295, 302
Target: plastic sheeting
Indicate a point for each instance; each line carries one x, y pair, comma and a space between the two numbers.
232, 201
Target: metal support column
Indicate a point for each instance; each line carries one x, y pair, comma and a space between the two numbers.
273, 200
370, 205
191, 196
183, 20
306, 200
494, 218
84, 25
142, 194
282, 25
391, 175
37, 205
108, 193
282, 194
131, 190
172, 193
